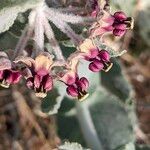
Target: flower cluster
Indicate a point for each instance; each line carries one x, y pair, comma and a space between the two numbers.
39, 70
118, 24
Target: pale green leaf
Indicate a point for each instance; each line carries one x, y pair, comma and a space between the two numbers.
9, 11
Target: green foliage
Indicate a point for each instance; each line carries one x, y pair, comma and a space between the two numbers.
123, 5
52, 102
111, 120
9, 10
71, 146
142, 147
115, 81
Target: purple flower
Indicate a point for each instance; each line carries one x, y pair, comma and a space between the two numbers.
37, 73
117, 24
8, 73
78, 88
101, 62
100, 59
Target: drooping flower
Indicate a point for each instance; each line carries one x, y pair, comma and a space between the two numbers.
100, 59
8, 74
118, 24
76, 87
37, 73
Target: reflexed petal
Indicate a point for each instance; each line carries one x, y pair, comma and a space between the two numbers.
28, 61
93, 53
69, 78
43, 62
87, 46
12, 77
37, 81
42, 72
16, 76
5, 63
107, 18
71, 90
47, 83
101, 30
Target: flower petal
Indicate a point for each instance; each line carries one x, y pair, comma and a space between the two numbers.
104, 55
5, 63
47, 83
71, 90
120, 15
28, 61
96, 66
43, 62
89, 48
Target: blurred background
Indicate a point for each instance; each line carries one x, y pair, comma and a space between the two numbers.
119, 110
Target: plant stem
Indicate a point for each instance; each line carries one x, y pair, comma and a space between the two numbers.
52, 40
23, 41
65, 28
39, 31
87, 127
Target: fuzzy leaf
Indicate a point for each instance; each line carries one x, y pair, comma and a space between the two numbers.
9, 11
115, 81
71, 146
52, 102
127, 7
129, 146
142, 147
111, 120
112, 52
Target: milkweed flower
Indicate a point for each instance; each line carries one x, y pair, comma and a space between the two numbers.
118, 24
76, 87
38, 73
99, 59
8, 74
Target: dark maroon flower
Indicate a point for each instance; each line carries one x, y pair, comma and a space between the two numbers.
100, 59
37, 73
117, 24
78, 88
8, 74
101, 62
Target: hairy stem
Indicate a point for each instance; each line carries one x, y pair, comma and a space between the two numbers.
70, 18
27, 33
52, 40
39, 31
65, 28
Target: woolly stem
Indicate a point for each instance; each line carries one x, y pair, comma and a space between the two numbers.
23, 41
27, 33
70, 18
65, 28
39, 31
52, 40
